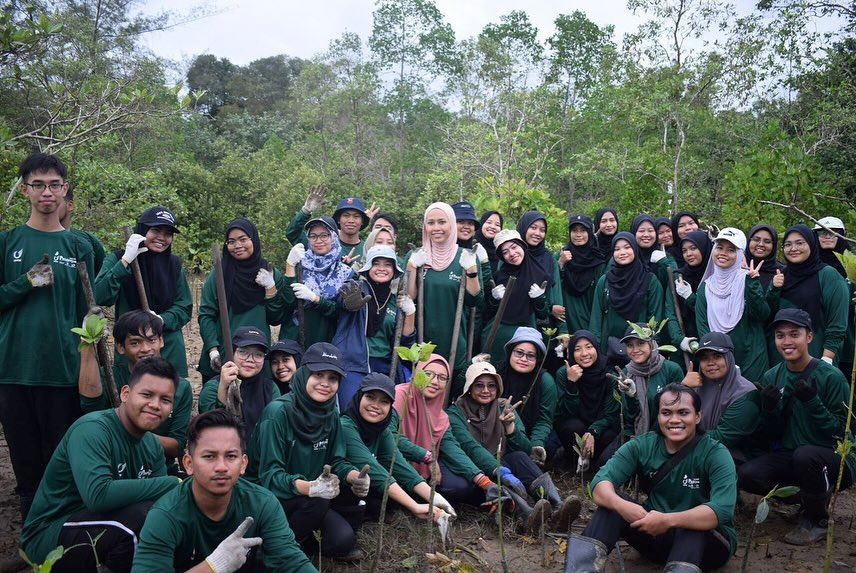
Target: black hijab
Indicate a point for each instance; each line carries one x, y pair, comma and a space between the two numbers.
520, 308
369, 431
676, 248
376, 307
160, 272
516, 385
694, 275
828, 255
242, 292
604, 242
627, 285
634, 226
593, 384
771, 265
493, 258
256, 393
539, 252
290, 348
802, 282
579, 273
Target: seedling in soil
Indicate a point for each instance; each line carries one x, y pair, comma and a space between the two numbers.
761, 513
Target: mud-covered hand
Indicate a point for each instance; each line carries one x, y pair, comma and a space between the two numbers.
214, 360
232, 552
352, 296
315, 199
538, 455
41, 275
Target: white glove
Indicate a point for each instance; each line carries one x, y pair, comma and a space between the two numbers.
498, 292
418, 258
264, 278
326, 486
133, 248
658, 255
153, 313
538, 455
685, 344
467, 259
481, 254
582, 464
683, 288
406, 304
360, 484
214, 360
559, 350
440, 501
303, 292
296, 254
535, 291
627, 386
827, 359
232, 552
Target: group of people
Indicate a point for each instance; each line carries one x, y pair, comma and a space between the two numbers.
688, 360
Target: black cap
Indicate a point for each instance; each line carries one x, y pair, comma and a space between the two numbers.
289, 347
249, 336
716, 341
378, 381
158, 217
464, 211
630, 334
325, 220
323, 356
793, 315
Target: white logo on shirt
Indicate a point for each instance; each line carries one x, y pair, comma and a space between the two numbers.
17, 255
454, 277
322, 445
70, 262
120, 468
691, 483
143, 473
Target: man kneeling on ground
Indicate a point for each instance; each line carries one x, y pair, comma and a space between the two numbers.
214, 521
103, 478
687, 521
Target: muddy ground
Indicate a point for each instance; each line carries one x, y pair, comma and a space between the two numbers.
475, 545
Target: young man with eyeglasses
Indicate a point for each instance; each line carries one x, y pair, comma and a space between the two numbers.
40, 301
257, 390
139, 335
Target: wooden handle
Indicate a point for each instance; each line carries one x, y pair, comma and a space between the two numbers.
138, 277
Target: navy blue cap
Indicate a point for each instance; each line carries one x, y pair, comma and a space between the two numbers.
323, 356
159, 217
378, 381
464, 211
794, 316
716, 341
325, 220
249, 336
289, 347
353, 203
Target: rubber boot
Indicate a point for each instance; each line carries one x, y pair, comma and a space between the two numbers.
584, 555
681, 567
813, 522
530, 516
564, 511
543, 487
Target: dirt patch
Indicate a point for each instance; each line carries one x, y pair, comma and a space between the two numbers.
475, 542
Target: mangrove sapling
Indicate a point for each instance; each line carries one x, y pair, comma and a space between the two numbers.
761, 513
317, 535
845, 445
502, 557
580, 440
50, 560
550, 332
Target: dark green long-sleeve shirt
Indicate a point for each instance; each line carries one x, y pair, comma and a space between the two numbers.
321, 318
605, 322
750, 345
98, 466
450, 450
578, 307
208, 396
481, 457
568, 405
668, 374
108, 292
295, 233
738, 422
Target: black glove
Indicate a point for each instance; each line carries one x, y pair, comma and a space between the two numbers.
492, 499
352, 296
804, 392
770, 398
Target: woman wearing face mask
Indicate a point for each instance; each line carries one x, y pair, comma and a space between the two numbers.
731, 300
427, 443
163, 280
524, 354
763, 246
816, 288
521, 309
444, 265
532, 228
489, 225
369, 441
484, 423
250, 293
298, 453
284, 359
586, 405
581, 264
695, 252
626, 292
366, 326
257, 390
605, 228
324, 273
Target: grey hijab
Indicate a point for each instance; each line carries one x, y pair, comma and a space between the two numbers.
716, 397
641, 373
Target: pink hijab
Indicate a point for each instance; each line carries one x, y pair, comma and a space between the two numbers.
420, 412
440, 255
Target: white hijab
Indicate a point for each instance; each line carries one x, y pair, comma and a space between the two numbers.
725, 293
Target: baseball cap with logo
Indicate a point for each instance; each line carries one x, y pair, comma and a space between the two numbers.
581, 220
158, 217
323, 356
249, 336
378, 381
325, 220
795, 316
733, 236
464, 211
715, 341
828, 222
355, 204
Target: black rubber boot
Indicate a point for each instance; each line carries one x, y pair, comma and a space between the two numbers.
584, 555
543, 487
531, 516
681, 567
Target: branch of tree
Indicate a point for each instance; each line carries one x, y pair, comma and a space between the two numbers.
802, 213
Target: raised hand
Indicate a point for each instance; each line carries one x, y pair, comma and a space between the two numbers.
315, 199
372, 211
755, 272
779, 279
693, 378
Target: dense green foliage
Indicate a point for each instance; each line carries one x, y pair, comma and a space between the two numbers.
696, 109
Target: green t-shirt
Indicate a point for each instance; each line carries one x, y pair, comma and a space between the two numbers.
109, 469
177, 535
35, 322
705, 477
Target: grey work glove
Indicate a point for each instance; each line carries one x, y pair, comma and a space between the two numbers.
352, 296
360, 484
